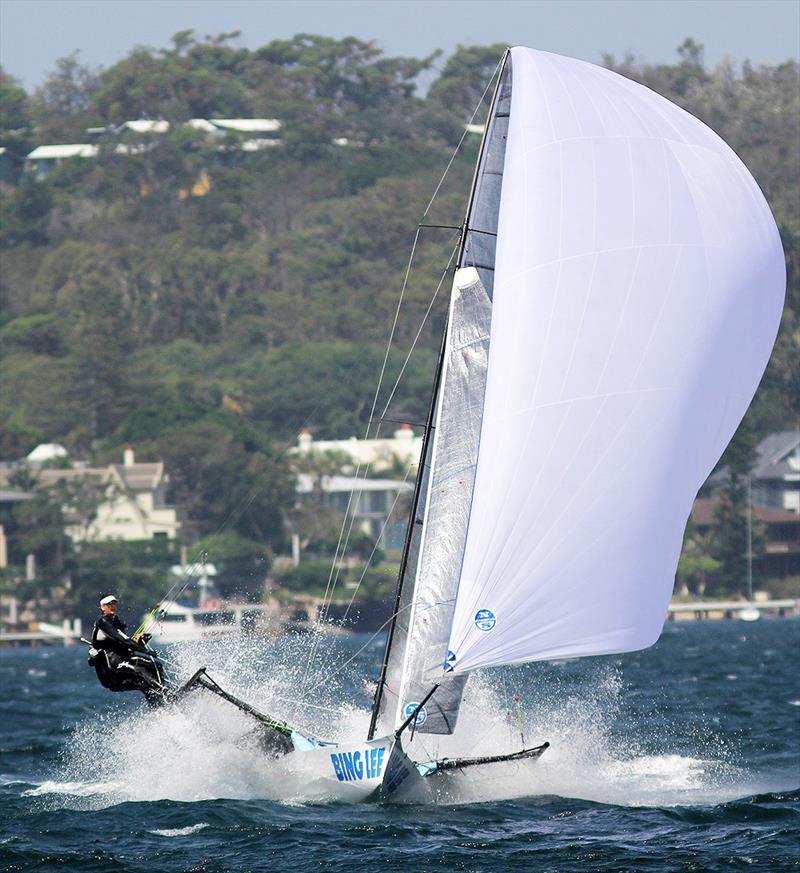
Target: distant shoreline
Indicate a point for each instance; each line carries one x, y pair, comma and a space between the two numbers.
709, 610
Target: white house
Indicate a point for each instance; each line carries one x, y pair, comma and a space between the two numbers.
371, 503
402, 447
45, 157
135, 506
776, 477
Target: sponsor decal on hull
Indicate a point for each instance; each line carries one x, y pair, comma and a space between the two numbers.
360, 765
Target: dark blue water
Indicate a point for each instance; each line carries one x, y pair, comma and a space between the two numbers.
682, 757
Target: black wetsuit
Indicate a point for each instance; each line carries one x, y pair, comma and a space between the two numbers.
122, 664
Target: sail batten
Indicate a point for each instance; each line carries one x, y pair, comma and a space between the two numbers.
637, 289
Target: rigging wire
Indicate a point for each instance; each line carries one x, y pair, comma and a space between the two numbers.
331, 584
202, 558
322, 615
375, 547
174, 591
325, 664
419, 332
172, 595
333, 575
464, 133
325, 679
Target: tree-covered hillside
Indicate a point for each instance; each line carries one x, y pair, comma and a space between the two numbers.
204, 301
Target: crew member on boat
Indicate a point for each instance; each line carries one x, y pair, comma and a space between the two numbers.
122, 663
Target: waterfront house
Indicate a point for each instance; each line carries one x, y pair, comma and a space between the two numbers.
130, 503
371, 503
781, 528
776, 477
401, 450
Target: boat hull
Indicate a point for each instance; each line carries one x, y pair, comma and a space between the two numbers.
470, 780
380, 771
349, 772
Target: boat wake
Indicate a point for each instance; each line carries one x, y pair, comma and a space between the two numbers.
202, 748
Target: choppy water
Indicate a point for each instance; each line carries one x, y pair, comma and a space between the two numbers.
682, 757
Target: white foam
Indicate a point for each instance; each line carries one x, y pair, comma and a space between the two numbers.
180, 832
76, 789
203, 748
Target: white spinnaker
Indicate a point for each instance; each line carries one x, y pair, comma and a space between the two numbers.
639, 283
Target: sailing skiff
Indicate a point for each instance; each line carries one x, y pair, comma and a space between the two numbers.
618, 291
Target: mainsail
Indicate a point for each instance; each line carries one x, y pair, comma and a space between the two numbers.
448, 499
639, 282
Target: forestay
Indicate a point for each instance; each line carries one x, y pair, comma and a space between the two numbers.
639, 281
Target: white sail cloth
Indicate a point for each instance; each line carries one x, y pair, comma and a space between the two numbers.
639, 283
450, 486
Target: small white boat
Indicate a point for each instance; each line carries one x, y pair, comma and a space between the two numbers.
749, 613
176, 624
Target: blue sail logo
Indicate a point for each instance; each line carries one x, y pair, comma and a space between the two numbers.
422, 715
449, 661
485, 619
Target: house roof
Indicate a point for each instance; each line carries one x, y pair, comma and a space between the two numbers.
778, 456
140, 477
136, 477
145, 125
70, 150
50, 477
247, 125
256, 145
15, 496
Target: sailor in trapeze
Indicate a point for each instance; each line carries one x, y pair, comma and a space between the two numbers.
123, 663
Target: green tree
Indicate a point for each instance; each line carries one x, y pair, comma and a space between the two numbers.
15, 122
674, 81
227, 476
242, 565
25, 215
34, 334
35, 403
189, 80
325, 89
462, 86
14, 108
113, 566
312, 517
94, 306
697, 566
62, 106
80, 497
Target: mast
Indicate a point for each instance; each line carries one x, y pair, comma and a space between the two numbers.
407, 544
429, 424
749, 540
